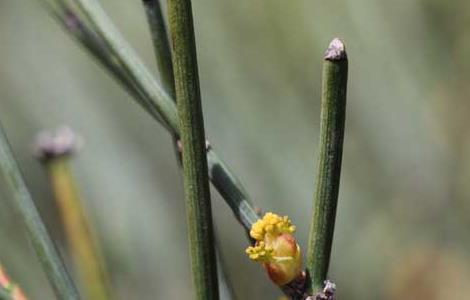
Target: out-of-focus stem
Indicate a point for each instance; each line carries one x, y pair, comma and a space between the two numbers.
82, 244
37, 233
8, 289
333, 106
5, 294
191, 127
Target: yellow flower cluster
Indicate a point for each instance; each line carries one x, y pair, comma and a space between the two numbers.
271, 224
260, 252
276, 248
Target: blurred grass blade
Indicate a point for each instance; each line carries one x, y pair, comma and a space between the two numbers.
191, 124
333, 108
159, 105
40, 239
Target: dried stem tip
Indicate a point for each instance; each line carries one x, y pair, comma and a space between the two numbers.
50, 145
336, 50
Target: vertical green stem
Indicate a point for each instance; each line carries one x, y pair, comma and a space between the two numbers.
333, 106
40, 239
191, 124
82, 244
153, 10
161, 45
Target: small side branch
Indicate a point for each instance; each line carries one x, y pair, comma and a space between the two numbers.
333, 106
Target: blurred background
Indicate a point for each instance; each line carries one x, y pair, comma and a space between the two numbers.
403, 214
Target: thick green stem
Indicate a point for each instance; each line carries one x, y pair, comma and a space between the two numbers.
40, 239
82, 244
153, 10
333, 106
160, 106
191, 124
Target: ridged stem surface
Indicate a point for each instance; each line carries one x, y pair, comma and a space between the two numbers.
333, 106
191, 125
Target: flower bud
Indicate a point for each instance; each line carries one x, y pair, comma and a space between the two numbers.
276, 248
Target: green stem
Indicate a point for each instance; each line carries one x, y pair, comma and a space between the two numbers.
191, 124
82, 244
154, 96
163, 56
161, 44
161, 106
94, 44
333, 106
40, 239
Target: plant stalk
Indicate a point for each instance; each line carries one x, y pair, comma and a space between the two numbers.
333, 107
191, 125
153, 11
161, 106
37, 233
155, 19
82, 244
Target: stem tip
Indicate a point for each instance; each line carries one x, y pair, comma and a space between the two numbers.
59, 143
335, 51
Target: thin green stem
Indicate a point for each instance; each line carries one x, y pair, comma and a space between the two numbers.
161, 44
40, 239
155, 97
333, 106
191, 125
94, 44
160, 105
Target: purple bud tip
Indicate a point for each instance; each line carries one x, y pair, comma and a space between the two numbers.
336, 50
62, 142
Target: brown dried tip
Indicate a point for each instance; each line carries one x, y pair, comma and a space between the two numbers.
336, 51
50, 145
